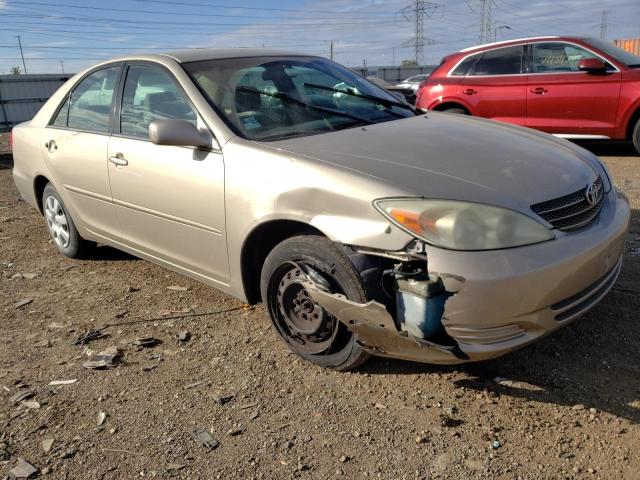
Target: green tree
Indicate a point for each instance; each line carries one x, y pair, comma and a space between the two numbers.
15, 71
409, 63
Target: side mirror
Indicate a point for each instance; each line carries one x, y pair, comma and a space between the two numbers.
399, 95
592, 65
175, 132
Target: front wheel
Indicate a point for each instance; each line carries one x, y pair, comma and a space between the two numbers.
636, 136
305, 326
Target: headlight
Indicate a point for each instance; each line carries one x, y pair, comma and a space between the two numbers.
463, 225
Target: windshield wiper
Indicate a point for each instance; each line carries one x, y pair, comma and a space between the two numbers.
289, 98
355, 93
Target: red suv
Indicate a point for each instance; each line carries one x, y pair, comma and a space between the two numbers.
568, 86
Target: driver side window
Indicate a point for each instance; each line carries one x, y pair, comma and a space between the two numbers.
151, 94
557, 57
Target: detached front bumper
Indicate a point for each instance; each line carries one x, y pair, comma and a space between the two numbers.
502, 300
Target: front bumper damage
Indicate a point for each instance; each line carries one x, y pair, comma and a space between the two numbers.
497, 301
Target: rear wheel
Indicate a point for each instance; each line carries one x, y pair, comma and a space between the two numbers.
61, 228
305, 326
456, 110
636, 136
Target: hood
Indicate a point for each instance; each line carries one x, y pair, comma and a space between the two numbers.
456, 157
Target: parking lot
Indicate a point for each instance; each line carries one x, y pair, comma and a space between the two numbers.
566, 407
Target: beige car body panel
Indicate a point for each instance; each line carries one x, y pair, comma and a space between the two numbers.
192, 210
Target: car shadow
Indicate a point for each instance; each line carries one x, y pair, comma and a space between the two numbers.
6, 161
609, 148
593, 362
107, 253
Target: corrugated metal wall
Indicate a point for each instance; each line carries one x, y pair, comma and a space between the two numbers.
631, 45
21, 96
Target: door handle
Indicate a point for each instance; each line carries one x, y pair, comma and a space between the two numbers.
469, 91
539, 91
51, 145
119, 159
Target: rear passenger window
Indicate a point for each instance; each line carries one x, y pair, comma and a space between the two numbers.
502, 61
463, 68
151, 94
90, 101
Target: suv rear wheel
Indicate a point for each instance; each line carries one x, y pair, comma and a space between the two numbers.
456, 110
636, 136
305, 326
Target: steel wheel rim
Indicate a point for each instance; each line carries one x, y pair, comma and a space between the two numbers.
297, 316
57, 222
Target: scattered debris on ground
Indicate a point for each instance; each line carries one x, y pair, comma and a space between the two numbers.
105, 359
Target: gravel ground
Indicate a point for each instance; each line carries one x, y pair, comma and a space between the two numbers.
566, 407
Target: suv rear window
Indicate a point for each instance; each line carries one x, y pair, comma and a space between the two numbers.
501, 61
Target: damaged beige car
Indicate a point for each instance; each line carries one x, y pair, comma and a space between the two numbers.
364, 226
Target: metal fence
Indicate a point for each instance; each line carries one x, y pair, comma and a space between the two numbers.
21, 96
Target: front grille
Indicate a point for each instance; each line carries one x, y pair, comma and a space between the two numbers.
573, 210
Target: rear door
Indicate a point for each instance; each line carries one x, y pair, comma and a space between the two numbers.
563, 100
75, 149
495, 86
169, 200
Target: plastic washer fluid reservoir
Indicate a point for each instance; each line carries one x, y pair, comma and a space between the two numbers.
420, 300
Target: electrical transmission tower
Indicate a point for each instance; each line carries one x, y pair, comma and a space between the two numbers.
416, 13
604, 24
486, 21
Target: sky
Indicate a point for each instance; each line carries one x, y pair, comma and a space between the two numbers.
70, 35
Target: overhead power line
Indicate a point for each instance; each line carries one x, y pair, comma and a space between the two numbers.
270, 9
161, 12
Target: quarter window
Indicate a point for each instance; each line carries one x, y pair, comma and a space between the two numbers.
554, 57
501, 61
463, 67
90, 101
63, 115
151, 94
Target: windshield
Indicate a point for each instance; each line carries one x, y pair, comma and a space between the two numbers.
629, 59
268, 98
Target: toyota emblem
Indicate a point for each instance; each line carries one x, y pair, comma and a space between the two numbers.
591, 194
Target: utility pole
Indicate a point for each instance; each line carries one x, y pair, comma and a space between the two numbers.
415, 13
62, 65
331, 50
24, 66
604, 25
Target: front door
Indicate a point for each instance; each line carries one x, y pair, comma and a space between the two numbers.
75, 145
169, 200
563, 100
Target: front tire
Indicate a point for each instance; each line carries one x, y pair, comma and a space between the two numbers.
635, 136
61, 228
305, 327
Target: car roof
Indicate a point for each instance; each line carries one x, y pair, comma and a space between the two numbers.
517, 41
200, 54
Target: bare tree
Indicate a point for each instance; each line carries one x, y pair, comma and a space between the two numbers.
15, 71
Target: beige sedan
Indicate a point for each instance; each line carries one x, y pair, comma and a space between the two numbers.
364, 226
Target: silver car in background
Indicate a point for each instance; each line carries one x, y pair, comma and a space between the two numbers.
363, 226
